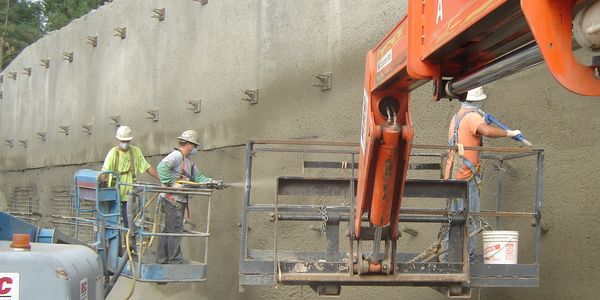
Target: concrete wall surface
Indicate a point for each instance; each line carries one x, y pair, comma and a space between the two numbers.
211, 53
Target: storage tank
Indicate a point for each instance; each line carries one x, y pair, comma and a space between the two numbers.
50, 271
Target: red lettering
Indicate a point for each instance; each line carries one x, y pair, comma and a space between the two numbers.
5, 281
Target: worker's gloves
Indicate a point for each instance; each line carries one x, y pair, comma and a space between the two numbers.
176, 185
512, 133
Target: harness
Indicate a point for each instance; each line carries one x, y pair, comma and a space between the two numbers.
185, 177
454, 142
131, 163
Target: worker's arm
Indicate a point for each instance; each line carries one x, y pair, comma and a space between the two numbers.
198, 176
142, 164
152, 172
491, 131
109, 164
109, 161
164, 173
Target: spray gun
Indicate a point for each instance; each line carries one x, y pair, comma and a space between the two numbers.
489, 119
218, 184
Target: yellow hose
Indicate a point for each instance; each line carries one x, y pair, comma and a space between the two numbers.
143, 250
128, 247
147, 204
190, 182
154, 226
132, 264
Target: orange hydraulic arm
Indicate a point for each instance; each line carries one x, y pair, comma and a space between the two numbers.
459, 44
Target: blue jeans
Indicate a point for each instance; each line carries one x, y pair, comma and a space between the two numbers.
458, 205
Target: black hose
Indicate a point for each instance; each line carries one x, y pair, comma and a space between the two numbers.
115, 277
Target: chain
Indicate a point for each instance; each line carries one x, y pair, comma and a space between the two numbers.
324, 218
483, 224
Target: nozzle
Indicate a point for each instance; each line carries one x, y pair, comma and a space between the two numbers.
218, 184
527, 143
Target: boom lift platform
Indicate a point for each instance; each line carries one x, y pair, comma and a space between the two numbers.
98, 205
106, 209
328, 201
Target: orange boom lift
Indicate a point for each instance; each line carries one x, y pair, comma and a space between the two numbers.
459, 45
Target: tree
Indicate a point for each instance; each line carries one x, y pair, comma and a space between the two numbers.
23, 22
59, 13
21, 25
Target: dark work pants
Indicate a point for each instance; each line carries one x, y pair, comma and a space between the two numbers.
458, 205
124, 217
169, 247
128, 211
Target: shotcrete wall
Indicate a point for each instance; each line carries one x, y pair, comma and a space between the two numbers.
210, 53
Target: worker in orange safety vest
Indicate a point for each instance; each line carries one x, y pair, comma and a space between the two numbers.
467, 129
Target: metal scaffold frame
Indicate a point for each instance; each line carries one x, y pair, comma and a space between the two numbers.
326, 271
105, 200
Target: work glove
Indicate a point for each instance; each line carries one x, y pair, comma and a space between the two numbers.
176, 185
512, 133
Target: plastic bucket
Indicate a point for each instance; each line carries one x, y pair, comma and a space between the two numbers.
500, 247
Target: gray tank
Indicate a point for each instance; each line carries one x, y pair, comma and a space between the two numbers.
50, 271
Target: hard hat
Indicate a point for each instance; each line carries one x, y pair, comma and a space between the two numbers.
124, 133
189, 136
476, 94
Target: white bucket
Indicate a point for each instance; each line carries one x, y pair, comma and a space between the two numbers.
500, 247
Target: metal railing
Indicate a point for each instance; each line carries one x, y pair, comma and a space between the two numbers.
259, 267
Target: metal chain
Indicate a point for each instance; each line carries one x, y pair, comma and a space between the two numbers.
483, 224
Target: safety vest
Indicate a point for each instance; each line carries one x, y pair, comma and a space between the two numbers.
131, 163
453, 141
183, 177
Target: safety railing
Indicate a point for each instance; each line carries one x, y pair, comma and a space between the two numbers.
499, 158
145, 225
318, 177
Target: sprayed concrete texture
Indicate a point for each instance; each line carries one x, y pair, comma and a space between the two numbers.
210, 53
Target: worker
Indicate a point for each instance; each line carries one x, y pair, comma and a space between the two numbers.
468, 128
177, 166
127, 161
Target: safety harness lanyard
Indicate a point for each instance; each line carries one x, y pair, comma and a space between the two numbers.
131, 163
454, 141
183, 176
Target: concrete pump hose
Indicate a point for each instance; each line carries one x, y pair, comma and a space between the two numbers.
133, 276
153, 223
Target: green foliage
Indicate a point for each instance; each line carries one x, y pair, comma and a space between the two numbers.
20, 25
60, 12
23, 22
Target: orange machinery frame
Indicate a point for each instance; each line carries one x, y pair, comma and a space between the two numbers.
439, 40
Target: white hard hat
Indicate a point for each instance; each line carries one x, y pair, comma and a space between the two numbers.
124, 133
476, 94
189, 136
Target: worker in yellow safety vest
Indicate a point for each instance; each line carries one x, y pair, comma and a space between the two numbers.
127, 161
